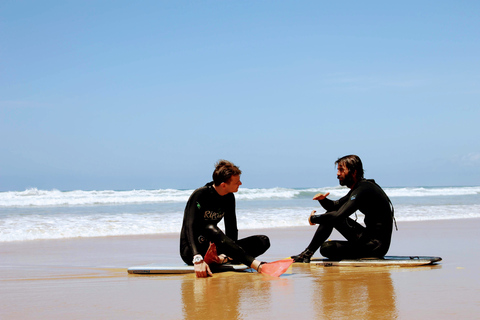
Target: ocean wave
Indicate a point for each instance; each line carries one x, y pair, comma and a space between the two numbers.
432, 192
74, 224
35, 197
60, 226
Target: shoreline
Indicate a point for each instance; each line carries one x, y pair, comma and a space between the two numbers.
252, 230
87, 278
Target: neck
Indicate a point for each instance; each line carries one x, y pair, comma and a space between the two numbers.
220, 190
354, 182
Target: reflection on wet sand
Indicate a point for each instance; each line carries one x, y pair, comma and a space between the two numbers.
327, 293
343, 292
222, 296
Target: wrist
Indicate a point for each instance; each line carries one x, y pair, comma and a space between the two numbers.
197, 259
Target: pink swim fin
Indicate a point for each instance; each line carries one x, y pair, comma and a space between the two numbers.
276, 268
211, 256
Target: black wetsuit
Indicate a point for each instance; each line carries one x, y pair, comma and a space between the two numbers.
373, 240
204, 210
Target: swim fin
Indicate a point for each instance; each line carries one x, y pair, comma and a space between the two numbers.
276, 268
212, 256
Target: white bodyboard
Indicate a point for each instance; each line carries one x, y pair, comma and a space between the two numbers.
157, 268
387, 261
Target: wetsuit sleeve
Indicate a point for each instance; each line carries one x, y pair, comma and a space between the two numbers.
331, 205
191, 214
339, 209
231, 229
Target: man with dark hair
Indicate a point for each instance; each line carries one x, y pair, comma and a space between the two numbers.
373, 240
203, 244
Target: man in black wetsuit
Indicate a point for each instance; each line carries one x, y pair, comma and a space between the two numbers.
373, 240
204, 210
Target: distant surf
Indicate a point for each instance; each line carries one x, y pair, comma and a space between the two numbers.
35, 197
52, 214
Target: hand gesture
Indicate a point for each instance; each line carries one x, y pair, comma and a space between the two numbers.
321, 196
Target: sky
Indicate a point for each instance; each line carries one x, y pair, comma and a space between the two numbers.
121, 95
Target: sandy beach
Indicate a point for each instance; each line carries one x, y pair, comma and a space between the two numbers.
87, 278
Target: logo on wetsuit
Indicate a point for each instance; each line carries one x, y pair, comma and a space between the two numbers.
353, 197
211, 215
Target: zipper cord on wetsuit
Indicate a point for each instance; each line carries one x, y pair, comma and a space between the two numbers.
391, 206
393, 215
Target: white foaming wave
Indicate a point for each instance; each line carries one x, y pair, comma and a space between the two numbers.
35, 197
429, 192
67, 225
336, 192
272, 193
35, 227
297, 216
424, 213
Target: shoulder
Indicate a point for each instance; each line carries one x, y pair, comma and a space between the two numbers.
364, 186
202, 192
369, 187
367, 184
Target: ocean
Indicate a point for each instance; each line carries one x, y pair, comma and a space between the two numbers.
52, 214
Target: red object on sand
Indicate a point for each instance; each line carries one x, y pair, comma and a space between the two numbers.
276, 268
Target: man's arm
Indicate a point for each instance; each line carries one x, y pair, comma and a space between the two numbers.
231, 229
331, 205
342, 208
190, 220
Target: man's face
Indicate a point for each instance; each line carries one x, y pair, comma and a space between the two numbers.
344, 176
232, 185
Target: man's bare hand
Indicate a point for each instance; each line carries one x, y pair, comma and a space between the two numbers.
310, 217
321, 196
202, 270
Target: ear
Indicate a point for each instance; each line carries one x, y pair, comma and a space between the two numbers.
355, 174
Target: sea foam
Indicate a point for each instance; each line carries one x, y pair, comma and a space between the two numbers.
35, 197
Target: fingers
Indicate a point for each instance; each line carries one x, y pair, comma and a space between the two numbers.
321, 196
204, 274
202, 270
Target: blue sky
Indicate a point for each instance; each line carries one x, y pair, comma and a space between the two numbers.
150, 94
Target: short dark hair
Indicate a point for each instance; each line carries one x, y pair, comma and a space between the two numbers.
224, 170
353, 163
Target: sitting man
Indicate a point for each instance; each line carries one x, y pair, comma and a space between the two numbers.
200, 237
373, 240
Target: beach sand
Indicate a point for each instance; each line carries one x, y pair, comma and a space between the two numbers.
87, 279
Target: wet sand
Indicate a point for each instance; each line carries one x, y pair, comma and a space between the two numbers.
87, 279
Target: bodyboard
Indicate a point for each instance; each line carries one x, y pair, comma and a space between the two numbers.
157, 268
387, 261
